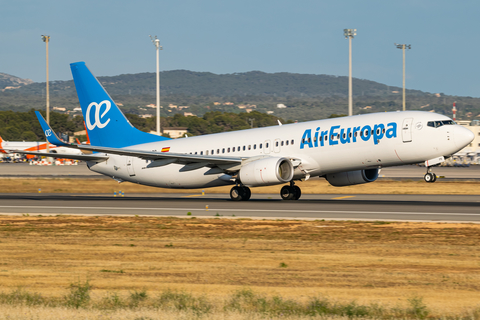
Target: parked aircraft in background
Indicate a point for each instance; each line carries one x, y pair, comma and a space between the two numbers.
345, 151
10, 148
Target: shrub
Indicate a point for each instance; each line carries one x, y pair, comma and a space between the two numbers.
79, 295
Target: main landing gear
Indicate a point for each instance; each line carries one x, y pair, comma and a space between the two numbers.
240, 193
291, 192
430, 176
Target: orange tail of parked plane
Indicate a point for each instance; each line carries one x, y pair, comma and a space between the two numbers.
12, 146
1, 145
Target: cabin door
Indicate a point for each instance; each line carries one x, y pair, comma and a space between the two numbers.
276, 145
130, 168
266, 147
407, 130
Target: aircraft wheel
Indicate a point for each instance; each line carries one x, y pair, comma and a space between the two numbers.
240, 193
236, 193
430, 177
287, 193
246, 193
298, 192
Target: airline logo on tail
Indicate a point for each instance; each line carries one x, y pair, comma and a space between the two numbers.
98, 118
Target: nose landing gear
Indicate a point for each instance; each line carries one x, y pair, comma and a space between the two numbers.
430, 176
291, 192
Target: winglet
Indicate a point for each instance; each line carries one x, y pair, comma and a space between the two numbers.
49, 133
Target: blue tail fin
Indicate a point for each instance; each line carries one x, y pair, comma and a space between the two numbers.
106, 124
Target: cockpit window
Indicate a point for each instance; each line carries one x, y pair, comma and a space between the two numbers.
438, 124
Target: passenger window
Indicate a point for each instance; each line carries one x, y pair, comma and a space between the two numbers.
281, 143
286, 142
266, 145
260, 147
206, 152
201, 153
254, 146
213, 151
249, 147
276, 143
292, 142
233, 149
243, 148
218, 151
228, 150
223, 150
195, 153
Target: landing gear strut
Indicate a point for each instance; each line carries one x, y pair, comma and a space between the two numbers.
240, 193
291, 192
430, 176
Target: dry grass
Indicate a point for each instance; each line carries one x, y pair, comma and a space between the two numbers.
312, 186
379, 262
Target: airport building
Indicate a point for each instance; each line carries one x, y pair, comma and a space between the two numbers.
471, 153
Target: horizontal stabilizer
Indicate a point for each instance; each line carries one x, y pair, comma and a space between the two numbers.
83, 157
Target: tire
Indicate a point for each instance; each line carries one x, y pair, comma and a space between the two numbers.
246, 193
429, 177
236, 193
287, 193
434, 176
297, 192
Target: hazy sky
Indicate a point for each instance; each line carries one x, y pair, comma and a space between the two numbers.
226, 36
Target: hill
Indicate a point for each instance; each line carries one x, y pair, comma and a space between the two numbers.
9, 82
307, 96
254, 83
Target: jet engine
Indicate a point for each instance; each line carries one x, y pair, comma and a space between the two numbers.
267, 171
350, 178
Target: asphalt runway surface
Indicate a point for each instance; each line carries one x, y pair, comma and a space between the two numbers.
262, 206
80, 171
462, 208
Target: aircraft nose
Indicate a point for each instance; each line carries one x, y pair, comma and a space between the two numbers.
462, 136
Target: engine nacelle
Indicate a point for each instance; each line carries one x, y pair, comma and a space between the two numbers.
265, 172
350, 178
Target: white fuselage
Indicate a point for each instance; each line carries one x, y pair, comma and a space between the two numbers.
6, 147
338, 145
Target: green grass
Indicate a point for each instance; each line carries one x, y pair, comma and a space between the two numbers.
244, 301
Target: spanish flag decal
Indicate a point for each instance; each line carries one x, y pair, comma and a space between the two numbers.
165, 149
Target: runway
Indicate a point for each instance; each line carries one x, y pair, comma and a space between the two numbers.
262, 206
80, 171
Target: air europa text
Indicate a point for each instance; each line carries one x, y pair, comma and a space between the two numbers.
335, 135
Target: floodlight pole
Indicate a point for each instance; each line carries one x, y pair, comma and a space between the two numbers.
403, 47
156, 42
349, 34
46, 39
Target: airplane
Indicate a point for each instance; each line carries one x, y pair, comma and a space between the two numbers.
345, 151
9, 148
